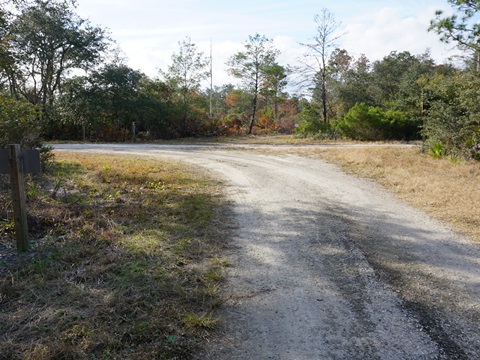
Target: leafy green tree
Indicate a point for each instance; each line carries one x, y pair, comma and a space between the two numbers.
410, 95
119, 84
452, 124
154, 109
5, 58
275, 82
339, 63
340, 66
107, 102
48, 39
461, 28
389, 73
5, 38
309, 124
394, 85
357, 84
251, 67
453, 115
188, 69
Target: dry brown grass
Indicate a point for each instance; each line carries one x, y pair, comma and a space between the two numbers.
124, 262
448, 190
257, 140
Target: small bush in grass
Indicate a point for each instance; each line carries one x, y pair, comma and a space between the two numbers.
437, 150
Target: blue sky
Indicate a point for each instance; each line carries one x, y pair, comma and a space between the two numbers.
148, 31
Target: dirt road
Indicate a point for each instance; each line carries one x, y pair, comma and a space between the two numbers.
329, 266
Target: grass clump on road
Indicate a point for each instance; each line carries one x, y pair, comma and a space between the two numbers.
124, 262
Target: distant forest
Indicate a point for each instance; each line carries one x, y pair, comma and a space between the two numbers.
403, 96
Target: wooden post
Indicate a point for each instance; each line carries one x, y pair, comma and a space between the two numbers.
18, 197
133, 131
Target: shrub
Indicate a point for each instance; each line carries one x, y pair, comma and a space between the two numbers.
310, 119
453, 115
287, 124
19, 123
364, 122
437, 150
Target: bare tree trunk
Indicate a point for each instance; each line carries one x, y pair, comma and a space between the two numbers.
324, 102
254, 101
275, 107
185, 115
254, 110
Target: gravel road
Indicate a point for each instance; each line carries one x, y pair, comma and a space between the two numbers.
329, 266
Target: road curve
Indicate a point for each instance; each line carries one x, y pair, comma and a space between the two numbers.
329, 266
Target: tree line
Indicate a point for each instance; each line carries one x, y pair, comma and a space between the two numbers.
61, 78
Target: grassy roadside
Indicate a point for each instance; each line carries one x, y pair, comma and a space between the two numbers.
447, 190
123, 264
255, 140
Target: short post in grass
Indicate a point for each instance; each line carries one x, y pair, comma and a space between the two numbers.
17, 162
83, 132
18, 197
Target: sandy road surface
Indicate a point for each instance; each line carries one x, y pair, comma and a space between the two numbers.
329, 266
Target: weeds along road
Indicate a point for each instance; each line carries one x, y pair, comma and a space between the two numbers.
329, 266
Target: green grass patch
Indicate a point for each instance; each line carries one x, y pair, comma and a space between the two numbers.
125, 261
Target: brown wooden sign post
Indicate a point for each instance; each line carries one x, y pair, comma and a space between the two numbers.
17, 163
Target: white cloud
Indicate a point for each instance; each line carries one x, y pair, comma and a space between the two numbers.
148, 31
290, 49
388, 30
